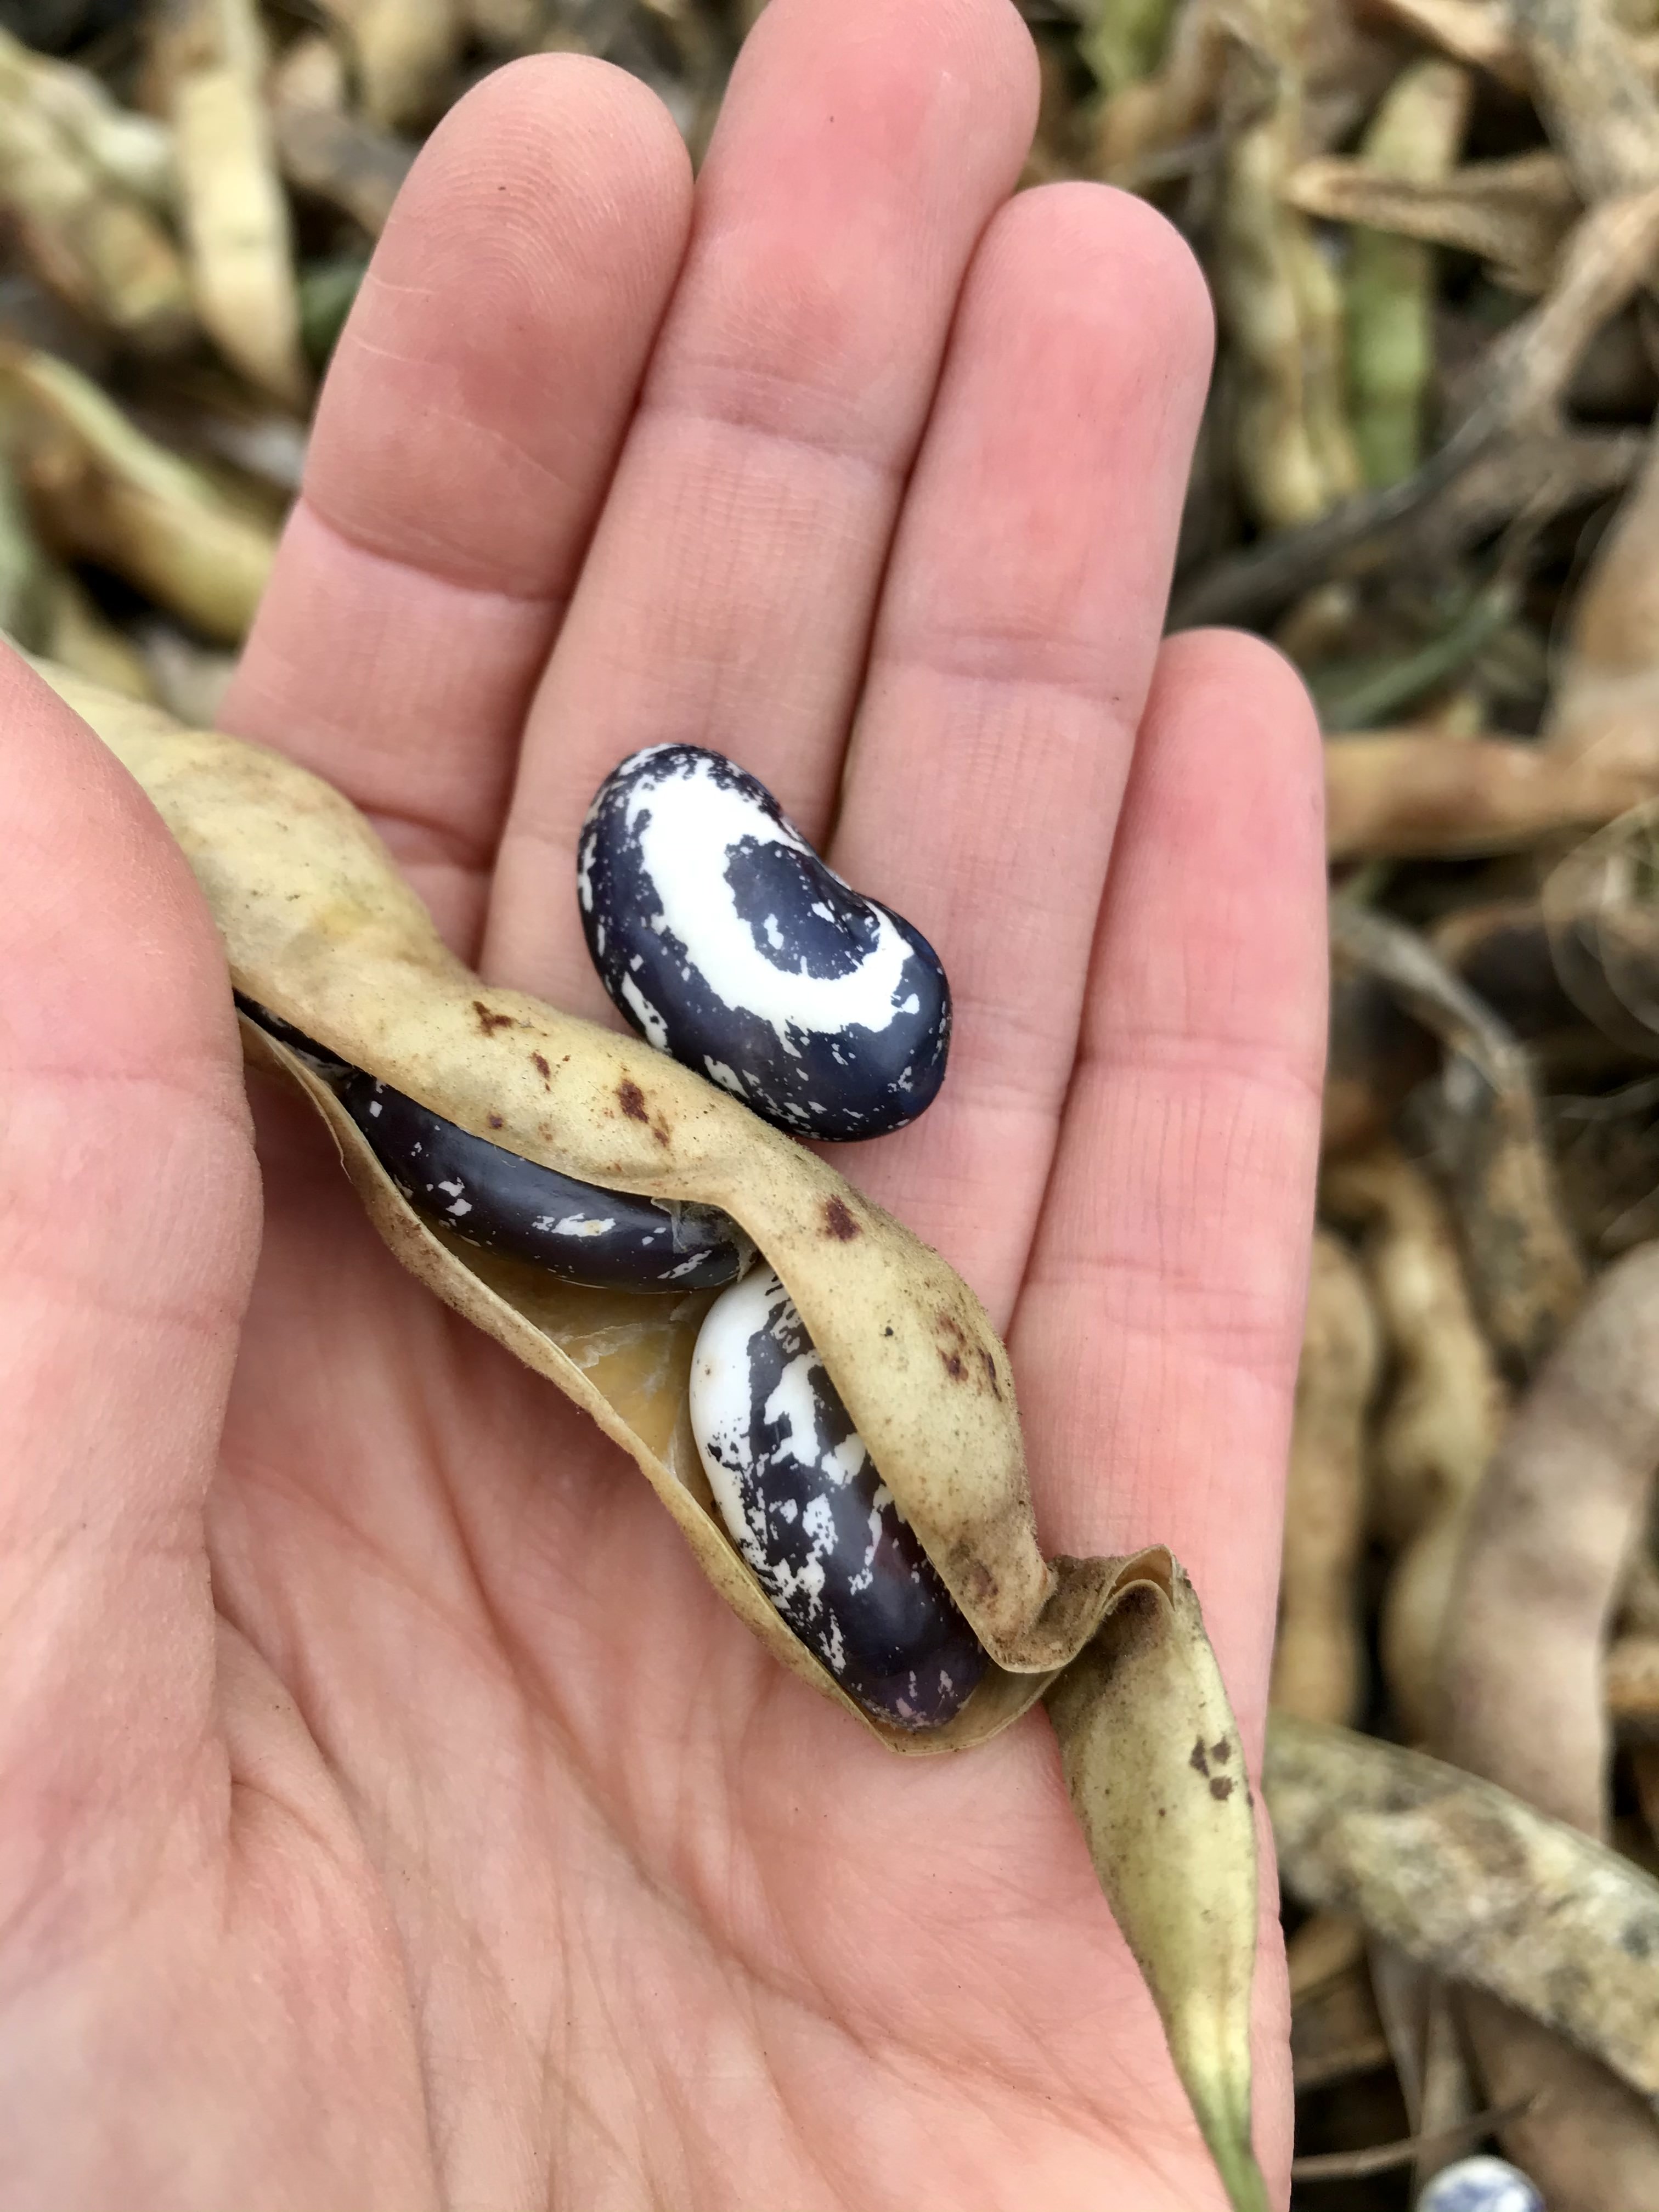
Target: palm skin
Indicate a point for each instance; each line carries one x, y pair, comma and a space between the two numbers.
393, 1817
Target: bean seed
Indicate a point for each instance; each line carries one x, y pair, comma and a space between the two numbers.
493, 1198
806, 1507
727, 943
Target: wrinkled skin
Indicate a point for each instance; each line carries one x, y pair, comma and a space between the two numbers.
392, 1816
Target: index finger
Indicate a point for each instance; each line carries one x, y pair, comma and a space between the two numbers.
463, 446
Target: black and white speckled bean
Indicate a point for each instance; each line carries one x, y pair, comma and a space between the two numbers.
810, 1513
490, 1197
605, 1239
726, 942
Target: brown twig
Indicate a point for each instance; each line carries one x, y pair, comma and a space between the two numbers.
1383, 2158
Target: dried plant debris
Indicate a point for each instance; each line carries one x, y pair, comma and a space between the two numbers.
1482, 1120
1415, 136
1472, 1881
236, 218
1513, 212
1562, 1506
327, 147
1440, 1420
1429, 469
1318, 1659
83, 186
102, 491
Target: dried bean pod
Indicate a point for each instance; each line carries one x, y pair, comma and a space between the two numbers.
321, 930
1559, 1511
809, 1511
234, 213
1390, 291
1443, 1417
1318, 1657
726, 941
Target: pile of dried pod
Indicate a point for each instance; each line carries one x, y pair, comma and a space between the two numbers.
1427, 471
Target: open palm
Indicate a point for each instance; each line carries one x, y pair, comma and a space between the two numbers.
393, 1817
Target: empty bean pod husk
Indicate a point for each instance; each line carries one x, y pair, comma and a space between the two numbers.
322, 932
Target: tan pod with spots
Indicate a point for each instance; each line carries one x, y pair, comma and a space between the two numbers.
320, 928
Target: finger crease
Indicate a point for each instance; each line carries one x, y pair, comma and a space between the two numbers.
883, 468
428, 570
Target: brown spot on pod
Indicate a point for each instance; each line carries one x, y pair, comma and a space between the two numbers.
838, 1221
489, 1022
631, 1099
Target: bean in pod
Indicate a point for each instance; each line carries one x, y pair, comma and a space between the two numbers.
728, 944
809, 1511
320, 928
603, 1239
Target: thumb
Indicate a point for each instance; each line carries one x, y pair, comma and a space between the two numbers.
128, 1230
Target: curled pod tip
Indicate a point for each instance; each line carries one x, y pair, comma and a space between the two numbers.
726, 942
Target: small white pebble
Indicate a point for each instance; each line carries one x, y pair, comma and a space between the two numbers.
1480, 2184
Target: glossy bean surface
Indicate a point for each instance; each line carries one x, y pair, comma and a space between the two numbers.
808, 1509
605, 1239
490, 1197
726, 942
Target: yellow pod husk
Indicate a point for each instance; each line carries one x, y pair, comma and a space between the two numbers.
320, 929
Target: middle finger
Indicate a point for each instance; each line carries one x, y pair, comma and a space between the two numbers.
1019, 622
727, 597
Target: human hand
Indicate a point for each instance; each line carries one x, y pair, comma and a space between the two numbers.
394, 1816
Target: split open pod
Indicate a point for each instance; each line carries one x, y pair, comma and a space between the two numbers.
321, 931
